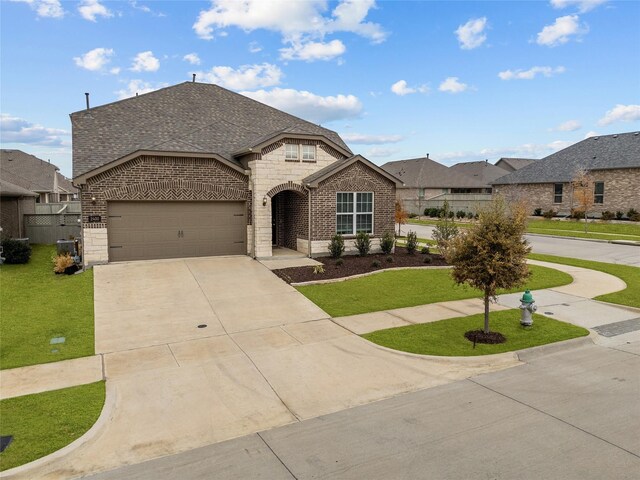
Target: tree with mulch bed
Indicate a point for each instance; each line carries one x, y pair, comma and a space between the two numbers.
491, 255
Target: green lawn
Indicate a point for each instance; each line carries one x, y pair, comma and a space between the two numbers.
566, 228
630, 275
407, 288
45, 422
446, 337
37, 305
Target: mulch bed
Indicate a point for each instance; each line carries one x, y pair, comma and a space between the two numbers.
354, 265
478, 336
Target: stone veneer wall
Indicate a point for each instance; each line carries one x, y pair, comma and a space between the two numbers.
160, 179
621, 192
355, 178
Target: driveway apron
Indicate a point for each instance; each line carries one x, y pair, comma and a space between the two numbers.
267, 357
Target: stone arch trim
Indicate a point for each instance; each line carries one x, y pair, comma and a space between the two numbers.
175, 190
296, 187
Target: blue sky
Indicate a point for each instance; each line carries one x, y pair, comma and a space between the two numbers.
462, 81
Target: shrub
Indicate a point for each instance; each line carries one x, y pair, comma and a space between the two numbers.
470, 215
461, 214
375, 264
412, 242
387, 242
432, 212
607, 215
318, 269
15, 252
427, 260
363, 243
389, 259
339, 262
537, 212
619, 215
425, 250
336, 246
62, 262
577, 214
633, 215
413, 215
549, 214
451, 214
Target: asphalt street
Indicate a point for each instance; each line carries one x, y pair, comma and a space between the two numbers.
572, 415
563, 247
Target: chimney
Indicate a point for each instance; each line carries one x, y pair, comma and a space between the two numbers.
427, 156
194, 78
87, 97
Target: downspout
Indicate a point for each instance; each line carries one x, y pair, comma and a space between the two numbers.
306, 187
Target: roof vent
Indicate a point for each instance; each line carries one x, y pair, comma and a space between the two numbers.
194, 78
594, 157
87, 98
595, 138
636, 133
615, 136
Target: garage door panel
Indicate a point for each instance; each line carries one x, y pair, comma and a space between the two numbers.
153, 230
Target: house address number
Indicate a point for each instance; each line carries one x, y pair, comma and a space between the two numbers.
95, 218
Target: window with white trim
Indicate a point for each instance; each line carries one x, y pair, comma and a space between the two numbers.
308, 152
354, 212
557, 193
598, 192
290, 151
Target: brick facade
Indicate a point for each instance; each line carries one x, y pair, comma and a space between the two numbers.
12, 210
621, 192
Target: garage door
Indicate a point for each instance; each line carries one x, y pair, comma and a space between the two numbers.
151, 230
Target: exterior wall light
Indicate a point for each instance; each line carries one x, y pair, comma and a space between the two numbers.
264, 201
93, 200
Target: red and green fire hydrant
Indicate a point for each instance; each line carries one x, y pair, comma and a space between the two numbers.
527, 308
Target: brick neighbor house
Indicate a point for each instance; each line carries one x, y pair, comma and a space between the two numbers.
197, 170
612, 160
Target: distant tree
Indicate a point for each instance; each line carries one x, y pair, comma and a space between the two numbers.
492, 253
583, 190
445, 229
401, 215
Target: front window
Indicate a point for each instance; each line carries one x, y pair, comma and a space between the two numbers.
290, 151
421, 192
308, 152
557, 193
598, 192
354, 212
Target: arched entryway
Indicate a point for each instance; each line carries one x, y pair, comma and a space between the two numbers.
289, 216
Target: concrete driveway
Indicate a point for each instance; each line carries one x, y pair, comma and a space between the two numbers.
268, 357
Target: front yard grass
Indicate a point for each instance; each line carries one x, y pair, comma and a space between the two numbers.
630, 296
45, 422
37, 305
408, 288
446, 337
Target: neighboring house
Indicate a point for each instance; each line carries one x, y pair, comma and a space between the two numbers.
513, 164
196, 170
34, 174
15, 202
612, 160
483, 171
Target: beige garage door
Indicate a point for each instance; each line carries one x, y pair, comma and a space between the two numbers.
150, 230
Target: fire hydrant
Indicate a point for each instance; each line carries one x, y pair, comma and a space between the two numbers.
527, 308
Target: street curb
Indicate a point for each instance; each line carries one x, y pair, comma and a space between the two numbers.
595, 240
534, 353
105, 415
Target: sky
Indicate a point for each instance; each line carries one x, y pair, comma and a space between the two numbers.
462, 81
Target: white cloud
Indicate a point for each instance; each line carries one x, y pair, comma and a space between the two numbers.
246, 77
192, 58
18, 130
311, 51
114, 70
526, 150
144, 8
45, 8
254, 47
621, 113
291, 19
138, 87
531, 73
309, 106
453, 85
471, 35
590, 134
145, 62
561, 31
582, 5
90, 9
364, 139
401, 88
569, 126
95, 60
381, 152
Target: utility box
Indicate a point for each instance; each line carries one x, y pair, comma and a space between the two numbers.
66, 246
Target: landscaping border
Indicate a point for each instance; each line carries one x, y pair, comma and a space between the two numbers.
359, 275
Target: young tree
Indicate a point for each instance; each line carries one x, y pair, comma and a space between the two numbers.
401, 215
583, 190
492, 253
445, 229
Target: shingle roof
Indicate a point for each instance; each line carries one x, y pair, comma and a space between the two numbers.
425, 173
8, 189
188, 117
482, 171
30, 172
595, 153
335, 167
512, 164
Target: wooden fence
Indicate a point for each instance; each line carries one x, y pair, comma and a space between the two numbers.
467, 202
49, 228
